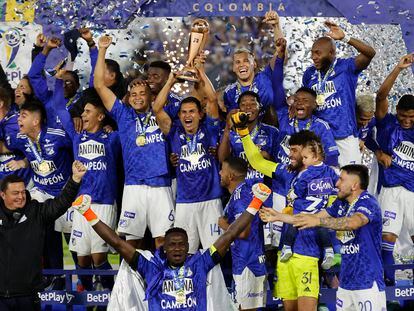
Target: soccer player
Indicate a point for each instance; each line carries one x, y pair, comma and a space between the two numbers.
303, 118
198, 203
11, 162
99, 152
356, 217
40, 88
310, 193
244, 67
395, 136
247, 251
263, 135
49, 152
147, 198
300, 287
174, 279
335, 80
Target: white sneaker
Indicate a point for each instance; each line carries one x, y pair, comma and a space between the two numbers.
328, 258
286, 253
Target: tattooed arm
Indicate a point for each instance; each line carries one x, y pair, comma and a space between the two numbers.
356, 221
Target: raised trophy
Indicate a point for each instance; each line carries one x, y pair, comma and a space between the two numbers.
198, 37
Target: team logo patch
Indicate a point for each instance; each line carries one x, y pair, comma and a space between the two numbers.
129, 214
123, 223
339, 303
389, 214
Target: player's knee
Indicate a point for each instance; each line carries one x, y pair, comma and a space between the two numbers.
389, 237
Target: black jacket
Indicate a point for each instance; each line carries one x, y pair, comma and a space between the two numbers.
22, 239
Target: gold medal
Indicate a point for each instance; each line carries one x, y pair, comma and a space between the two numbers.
180, 297
43, 167
141, 141
320, 99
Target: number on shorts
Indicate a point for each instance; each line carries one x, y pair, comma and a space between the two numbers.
214, 228
171, 216
307, 278
365, 305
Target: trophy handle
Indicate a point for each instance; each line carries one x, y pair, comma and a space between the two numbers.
195, 43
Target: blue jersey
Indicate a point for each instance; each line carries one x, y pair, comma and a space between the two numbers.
54, 147
306, 240
9, 127
165, 284
339, 92
249, 252
197, 171
261, 85
173, 106
399, 143
365, 130
147, 164
361, 248
264, 137
311, 189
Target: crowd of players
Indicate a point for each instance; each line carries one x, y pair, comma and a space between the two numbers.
173, 159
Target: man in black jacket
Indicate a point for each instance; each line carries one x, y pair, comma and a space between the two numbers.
22, 230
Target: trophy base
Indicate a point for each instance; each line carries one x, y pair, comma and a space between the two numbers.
188, 74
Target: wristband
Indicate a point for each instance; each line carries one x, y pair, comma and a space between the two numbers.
254, 206
346, 39
242, 132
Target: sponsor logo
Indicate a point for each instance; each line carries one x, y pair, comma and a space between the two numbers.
389, 214
91, 150
77, 233
50, 164
103, 297
339, 302
129, 214
123, 223
320, 186
405, 150
57, 297
404, 292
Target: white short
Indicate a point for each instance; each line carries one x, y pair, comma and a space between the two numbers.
273, 230
250, 290
64, 222
174, 189
348, 151
200, 220
397, 210
371, 299
373, 178
144, 206
83, 239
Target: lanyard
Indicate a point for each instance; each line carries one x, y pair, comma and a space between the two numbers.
37, 151
239, 88
296, 125
322, 82
192, 142
351, 207
141, 126
179, 278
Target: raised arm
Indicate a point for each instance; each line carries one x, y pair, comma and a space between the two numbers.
272, 18
260, 194
385, 88
279, 94
366, 52
36, 76
86, 35
107, 96
163, 119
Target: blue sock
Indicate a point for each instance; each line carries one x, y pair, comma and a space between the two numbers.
388, 258
106, 280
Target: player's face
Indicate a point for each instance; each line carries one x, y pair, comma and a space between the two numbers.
109, 77
405, 118
225, 173
363, 118
295, 157
156, 79
243, 66
308, 157
15, 196
304, 104
249, 105
346, 184
176, 248
91, 118
27, 120
322, 55
190, 117
22, 88
70, 86
140, 98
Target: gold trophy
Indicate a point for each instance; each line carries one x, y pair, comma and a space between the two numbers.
198, 37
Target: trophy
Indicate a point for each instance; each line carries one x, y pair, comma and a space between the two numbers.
198, 37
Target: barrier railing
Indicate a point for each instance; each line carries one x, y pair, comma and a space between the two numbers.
69, 297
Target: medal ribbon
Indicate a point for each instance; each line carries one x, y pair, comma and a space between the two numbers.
322, 82
192, 142
239, 88
296, 125
141, 126
37, 151
179, 280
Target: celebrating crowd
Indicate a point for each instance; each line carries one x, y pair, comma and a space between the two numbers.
278, 180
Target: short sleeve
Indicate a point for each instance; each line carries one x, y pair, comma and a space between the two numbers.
367, 210
351, 66
118, 109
